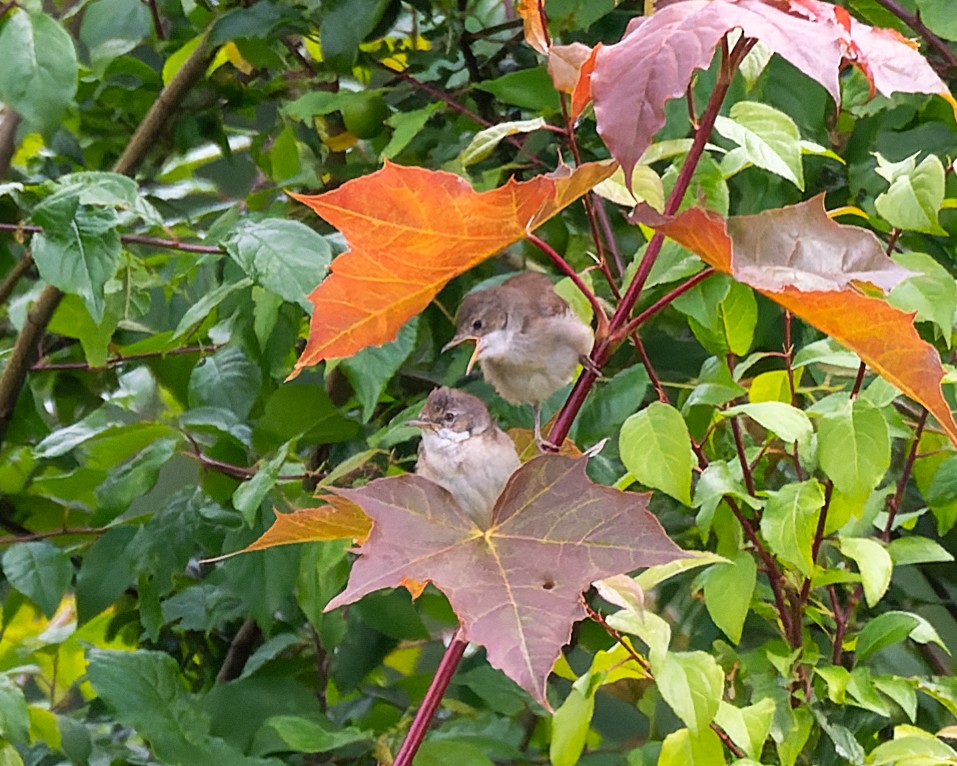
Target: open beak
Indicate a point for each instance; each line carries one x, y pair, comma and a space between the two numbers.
459, 339
419, 423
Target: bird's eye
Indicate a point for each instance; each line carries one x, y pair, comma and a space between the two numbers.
477, 324
449, 417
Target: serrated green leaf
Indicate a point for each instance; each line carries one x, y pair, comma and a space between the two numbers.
38, 78
81, 255
691, 683
727, 593
484, 143
930, 291
854, 447
874, 563
40, 571
200, 310
286, 257
769, 139
226, 379
915, 195
570, 725
789, 423
656, 449
370, 370
790, 520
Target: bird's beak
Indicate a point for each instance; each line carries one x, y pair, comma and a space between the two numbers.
474, 358
419, 423
459, 339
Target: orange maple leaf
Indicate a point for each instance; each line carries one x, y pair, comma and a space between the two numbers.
411, 230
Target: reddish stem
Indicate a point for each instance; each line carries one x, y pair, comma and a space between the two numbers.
602, 350
423, 717
895, 502
666, 300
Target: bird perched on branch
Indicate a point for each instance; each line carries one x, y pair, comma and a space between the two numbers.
463, 451
528, 341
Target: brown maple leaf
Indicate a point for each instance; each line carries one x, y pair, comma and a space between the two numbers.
515, 585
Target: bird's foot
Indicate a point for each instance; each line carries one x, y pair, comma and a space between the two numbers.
591, 367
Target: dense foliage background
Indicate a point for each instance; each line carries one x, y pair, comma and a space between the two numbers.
154, 301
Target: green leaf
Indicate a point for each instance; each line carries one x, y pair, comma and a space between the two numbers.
683, 747
134, 477
654, 575
772, 386
226, 379
38, 78
789, 423
728, 589
938, 15
791, 741
915, 195
144, 691
40, 571
767, 138
200, 310
610, 404
14, 717
249, 495
72, 320
874, 563
931, 291
345, 24
912, 747
202, 607
891, 628
570, 725
305, 735
79, 255
902, 691
842, 738
691, 683
301, 410
484, 143
406, 126
283, 256
790, 520
649, 627
106, 572
714, 386
656, 449
917, 550
370, 370
854, 447
748, 727
530, 89
111, 28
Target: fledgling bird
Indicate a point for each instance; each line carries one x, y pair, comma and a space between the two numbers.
528, 341
463, 451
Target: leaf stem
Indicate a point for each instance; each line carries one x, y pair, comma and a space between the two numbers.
423, 716
603, 350
116, 361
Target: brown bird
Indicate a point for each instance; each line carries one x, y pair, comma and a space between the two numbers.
528, 341
463, 451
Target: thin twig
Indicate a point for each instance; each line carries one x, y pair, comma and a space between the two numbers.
9, 122
130, 239
157, 21
9, 283
116, 361
742, 457
894, 503
666, 300
32, 536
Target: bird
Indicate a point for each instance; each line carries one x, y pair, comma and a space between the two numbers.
528, 341
464, 451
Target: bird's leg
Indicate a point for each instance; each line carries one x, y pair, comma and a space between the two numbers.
585, 361
543, 444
